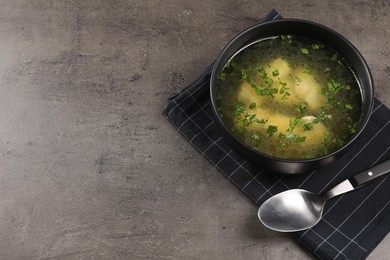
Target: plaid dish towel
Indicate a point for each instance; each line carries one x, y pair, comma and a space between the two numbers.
352, 225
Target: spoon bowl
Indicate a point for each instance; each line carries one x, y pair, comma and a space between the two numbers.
297, 209
302, 206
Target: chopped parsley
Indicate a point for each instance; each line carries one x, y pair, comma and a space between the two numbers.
239, 109
307, 127
334, 86
334, 57
261, 122
301, 108
271, 130
286, 38
300, 139
222, 76
304, 51
252, 106
244, 74
348, 107
316, 46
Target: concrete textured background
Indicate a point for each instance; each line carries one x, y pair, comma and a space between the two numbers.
90, 169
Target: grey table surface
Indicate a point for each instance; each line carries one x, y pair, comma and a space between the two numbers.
90, 169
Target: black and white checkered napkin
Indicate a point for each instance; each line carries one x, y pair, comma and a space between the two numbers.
352, 225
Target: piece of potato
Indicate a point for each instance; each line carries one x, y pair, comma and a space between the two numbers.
313, 137
302, 88
248, 95
281, 66
285, 76
307, 89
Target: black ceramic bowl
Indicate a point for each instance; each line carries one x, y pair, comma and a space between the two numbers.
316, 32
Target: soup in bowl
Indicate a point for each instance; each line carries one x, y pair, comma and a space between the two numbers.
291, 95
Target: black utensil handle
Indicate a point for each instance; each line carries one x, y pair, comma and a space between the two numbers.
370, 174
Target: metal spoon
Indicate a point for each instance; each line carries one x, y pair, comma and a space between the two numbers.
297, 209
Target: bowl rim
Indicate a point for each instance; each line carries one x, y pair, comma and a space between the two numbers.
363, 121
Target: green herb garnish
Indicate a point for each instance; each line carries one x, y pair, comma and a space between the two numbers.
262, 71
239, 109
222, 76
283, 84
348, 107
307, 127
302, 107
352, 128
231, 64
244, 74
321, 117
246, 122
308, 70
304, 51
271, 130
269, 81
261, 122
333, 86
316, 46
285, 95
286, 38
252, 106
338, 142
294, 123
264, 91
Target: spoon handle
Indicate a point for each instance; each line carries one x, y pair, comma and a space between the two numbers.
371, 174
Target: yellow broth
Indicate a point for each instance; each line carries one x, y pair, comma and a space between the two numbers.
290, 97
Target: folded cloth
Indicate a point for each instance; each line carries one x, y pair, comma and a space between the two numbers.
352, 224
